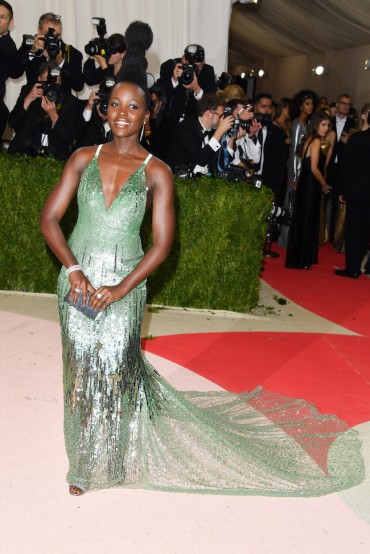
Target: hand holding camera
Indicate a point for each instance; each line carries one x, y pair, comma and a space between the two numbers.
35, 92
254, 127
50, 108
177, 72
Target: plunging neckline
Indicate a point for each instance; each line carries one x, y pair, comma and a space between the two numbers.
124, 184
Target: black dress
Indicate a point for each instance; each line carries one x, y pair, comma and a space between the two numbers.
303, 238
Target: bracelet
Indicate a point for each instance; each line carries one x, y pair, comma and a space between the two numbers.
73, 268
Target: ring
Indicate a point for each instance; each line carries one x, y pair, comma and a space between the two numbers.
99, 295
77, 290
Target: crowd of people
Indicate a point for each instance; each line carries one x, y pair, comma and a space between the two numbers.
200, 125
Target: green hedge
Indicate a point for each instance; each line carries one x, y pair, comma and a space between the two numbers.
214, 262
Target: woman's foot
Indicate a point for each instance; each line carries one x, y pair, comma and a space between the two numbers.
75, 491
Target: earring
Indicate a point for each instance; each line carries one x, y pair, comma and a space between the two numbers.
142, 132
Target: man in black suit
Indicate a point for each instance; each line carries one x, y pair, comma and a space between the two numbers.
354, 188
45, 117
196, 141
9, 66
183, 94
272, 140
341, 124
66, 56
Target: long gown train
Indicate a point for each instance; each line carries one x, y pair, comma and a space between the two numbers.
126, 426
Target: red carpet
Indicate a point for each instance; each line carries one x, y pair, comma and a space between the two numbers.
330, 370
339, 299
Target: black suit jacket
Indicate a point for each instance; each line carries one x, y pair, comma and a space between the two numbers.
181, 101
9, 62
71, 71
274, 160
30, 124
354, 180
186, 147
94, 75
339, 146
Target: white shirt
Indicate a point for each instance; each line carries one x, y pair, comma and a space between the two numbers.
213, 143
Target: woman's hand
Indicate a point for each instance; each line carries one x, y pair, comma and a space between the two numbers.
79, 284
325, 189
103, 296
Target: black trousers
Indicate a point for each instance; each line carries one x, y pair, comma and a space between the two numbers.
4, 112
332, 177
357, 233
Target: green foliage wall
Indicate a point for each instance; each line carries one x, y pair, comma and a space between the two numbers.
216, 256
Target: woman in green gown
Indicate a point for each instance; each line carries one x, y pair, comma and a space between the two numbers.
124, 425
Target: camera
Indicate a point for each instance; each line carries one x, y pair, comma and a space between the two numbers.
51, 88
281, 216
27, 42
52, 45
224, 80
238, 123
263, 118
99, 46
103, 94
188, 72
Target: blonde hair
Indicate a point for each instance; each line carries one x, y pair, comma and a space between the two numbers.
232, 92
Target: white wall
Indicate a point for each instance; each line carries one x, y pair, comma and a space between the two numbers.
175, 23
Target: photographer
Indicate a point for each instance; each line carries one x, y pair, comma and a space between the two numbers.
93, 127
246, 147
195, 142
48, 45
9, 67
186, 80
44, 117
109, 64
159, 128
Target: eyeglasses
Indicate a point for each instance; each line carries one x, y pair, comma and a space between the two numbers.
346, 103
50, 17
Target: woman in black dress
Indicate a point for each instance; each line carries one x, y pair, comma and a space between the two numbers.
303, 238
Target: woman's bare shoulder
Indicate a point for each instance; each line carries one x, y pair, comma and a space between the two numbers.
157, 170
81, 158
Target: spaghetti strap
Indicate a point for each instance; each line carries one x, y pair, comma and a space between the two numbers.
147, 159
98, 151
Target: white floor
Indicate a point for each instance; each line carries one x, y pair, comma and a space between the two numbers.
37, 515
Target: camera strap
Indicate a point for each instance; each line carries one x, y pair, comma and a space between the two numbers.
226, 157
67, 51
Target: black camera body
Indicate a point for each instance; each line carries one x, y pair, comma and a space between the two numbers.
99, 46
188, 72
50, 87
263, 118
103, 94
52, 44
238, 123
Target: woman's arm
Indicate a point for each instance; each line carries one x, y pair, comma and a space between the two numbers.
55, 208
315, 155
331, 138
160, 181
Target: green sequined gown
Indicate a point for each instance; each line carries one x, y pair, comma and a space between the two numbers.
126, 426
